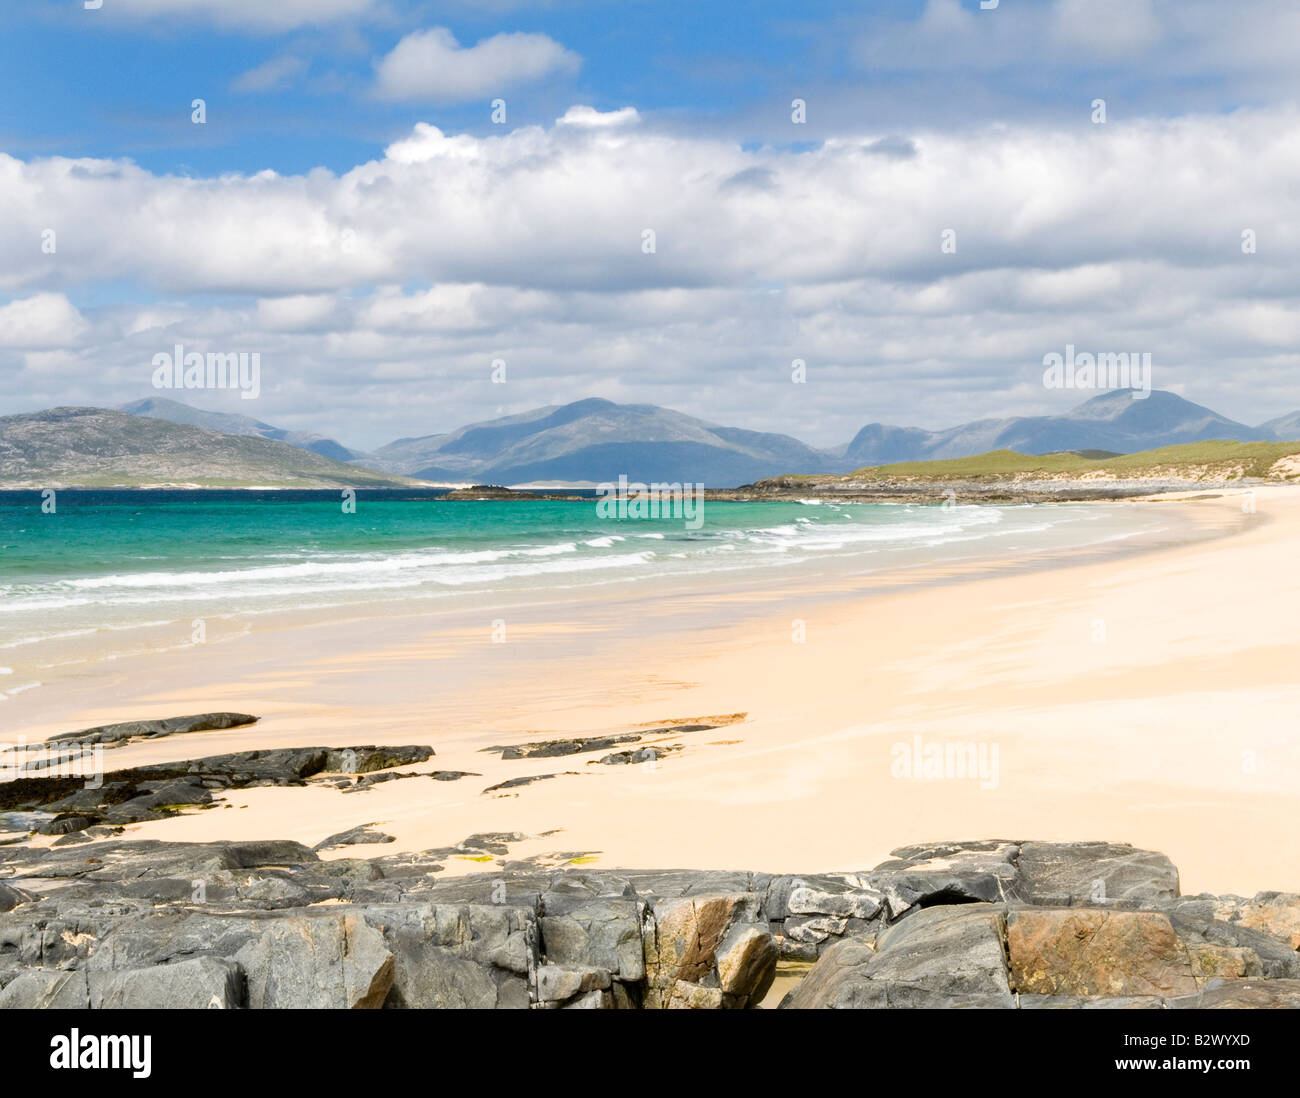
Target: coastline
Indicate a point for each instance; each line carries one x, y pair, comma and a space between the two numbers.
1131, 739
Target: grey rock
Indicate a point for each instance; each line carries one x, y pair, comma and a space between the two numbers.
1241, 995
330, 961
516, 783
946, 873
11, 897
202, 983
169, 726
1068, 874
361, 835
551, 749
559, 983
46, 989
603, 933
936, 957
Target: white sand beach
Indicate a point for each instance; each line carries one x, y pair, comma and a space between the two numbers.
1149, 698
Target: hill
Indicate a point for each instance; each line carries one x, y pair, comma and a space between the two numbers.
594, 440
173, 411
100, 448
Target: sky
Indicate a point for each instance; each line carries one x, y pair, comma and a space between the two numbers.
916, 199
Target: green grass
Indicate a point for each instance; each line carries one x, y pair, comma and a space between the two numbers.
1253, 459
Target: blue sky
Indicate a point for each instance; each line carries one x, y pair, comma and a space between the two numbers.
108, 83
350, 208
122, 87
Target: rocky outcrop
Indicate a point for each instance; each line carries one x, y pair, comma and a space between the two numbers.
577, 745
162, 789
117, 734
990, 924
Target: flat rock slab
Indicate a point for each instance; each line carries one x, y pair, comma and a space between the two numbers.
1068, 874
114, 734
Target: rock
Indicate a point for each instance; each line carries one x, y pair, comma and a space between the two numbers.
152, 792
115, 734
118, 923
576, 745
946, 873
746, 961
550, 749
1273, 956
453, 775
1274, 913
515, 783
459, 955
815, 929
936, 957
558, 983
46, 989
858, 903
64, 825
330, 961
603, 933
361, 835
624, 758
593, 1000
683, 949
203, 983
1242, 995
1097, 953
11, 897
1075, 1002
1209, 961
368, 781
1066, 874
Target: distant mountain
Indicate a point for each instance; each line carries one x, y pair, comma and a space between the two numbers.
1112, 421
99, 448
173, 411
1283, 429
597, 440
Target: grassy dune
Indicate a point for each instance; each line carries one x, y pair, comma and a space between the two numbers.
1195, 460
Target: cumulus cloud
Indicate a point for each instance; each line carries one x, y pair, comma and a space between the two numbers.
42, 321
566, 207
379, 297
431, 66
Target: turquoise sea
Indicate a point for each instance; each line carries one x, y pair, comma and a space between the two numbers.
115, 561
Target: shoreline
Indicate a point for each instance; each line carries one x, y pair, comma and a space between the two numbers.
804, 780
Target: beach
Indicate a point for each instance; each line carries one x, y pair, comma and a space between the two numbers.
1139, 692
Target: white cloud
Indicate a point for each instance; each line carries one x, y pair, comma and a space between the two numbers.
381, 296
590, 117
255, 15
431, 66
44, 321
271, 74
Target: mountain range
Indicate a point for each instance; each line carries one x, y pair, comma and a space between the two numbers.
595, 440
585, 442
